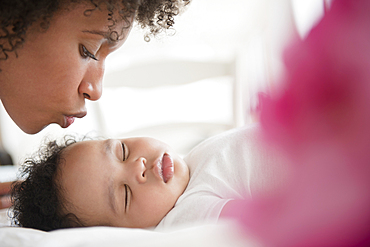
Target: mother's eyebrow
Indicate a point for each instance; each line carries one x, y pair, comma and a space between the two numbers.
97, 32
105, 34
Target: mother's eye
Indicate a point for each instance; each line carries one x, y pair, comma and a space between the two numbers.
85, 53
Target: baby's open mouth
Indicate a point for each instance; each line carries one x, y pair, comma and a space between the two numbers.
167, 167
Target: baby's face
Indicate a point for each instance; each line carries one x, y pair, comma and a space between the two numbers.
131, 182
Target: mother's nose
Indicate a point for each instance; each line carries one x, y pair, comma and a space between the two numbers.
91, 86
91, 90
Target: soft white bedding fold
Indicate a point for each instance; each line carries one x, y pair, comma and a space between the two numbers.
224, 234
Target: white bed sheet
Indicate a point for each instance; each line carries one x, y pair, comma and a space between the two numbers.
224, 234
4, 219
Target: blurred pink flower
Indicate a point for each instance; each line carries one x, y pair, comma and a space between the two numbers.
321, 120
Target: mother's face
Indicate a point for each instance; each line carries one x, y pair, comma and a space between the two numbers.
57, 69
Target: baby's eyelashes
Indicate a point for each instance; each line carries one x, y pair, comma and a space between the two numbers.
123, 152
127, 198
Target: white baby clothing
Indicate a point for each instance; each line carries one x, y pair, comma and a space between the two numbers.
231, 165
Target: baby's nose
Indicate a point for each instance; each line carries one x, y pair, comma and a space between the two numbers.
140, 169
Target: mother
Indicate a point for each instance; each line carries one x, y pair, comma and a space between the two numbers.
52, 52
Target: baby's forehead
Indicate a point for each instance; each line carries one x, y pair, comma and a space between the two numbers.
82, 160
82, 150
83, 145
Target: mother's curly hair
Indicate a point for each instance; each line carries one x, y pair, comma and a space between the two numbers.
36, 197
16, 16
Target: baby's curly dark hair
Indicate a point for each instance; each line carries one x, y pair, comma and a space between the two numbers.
36, 196
16, 16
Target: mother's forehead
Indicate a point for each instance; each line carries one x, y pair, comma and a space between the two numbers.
90, 15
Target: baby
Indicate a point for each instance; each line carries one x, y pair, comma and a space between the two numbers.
140, 182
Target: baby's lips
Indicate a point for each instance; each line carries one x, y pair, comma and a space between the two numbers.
168, 168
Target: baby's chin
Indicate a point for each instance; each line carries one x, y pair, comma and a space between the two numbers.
181, 174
